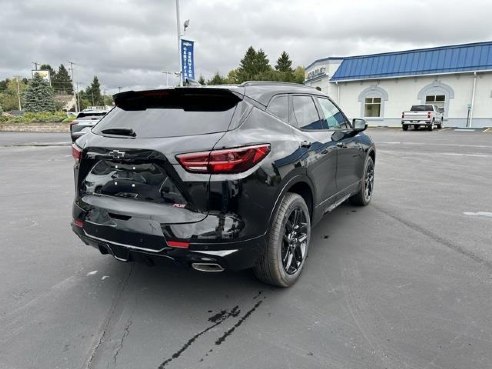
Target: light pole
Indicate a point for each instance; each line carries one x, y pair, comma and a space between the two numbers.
75, 90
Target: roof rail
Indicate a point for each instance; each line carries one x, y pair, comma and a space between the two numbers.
268, 83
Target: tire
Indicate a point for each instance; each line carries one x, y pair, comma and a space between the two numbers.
416, 127
404, 127
364, 196
287, 243
430, 127
439, 126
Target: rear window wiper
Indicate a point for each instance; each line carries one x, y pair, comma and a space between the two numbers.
119, 131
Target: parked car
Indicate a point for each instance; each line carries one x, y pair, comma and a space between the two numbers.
225, 177
422, 115
84, 121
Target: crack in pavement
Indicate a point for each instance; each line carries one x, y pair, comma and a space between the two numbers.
221, 339
126, 332
217, 319
435, 237
90, 361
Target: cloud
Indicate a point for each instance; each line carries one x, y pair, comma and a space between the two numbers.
128, 43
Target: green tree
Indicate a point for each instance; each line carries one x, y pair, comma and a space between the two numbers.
62, 83
201, 80
217, 79
247, 70
299, 75
9, 96
232, 77
93, 93
284, 64
262, 63
39, 96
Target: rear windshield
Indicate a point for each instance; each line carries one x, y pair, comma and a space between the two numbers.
421, 108
168, 114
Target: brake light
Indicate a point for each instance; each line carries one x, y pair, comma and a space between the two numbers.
178, 244
76, 153
428, 114
78, 223
402, 115
225, 161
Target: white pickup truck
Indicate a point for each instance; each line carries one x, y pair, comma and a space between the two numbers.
422, 115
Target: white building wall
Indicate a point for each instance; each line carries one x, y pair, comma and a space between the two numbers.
404, 92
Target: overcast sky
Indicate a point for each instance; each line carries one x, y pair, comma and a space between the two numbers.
129, 43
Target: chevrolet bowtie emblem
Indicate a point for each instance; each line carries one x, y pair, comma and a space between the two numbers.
116, 154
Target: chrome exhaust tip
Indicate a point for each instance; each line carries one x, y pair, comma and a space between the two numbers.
207, 267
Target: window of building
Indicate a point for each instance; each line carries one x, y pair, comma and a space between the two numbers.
279, 106
372, 107
306, 114
438, 100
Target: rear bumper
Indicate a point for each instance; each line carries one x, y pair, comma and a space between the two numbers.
236, 255
413, 122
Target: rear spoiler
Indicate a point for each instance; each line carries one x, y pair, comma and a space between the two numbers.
186, 98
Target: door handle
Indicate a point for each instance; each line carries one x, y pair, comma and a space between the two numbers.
306, 144
342, 145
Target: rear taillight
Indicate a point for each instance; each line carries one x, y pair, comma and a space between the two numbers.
402, 115
76, 153
428, 114
226, 161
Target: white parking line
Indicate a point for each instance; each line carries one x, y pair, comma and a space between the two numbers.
479, 214
433, 144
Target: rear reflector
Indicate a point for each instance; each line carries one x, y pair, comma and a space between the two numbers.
76, 152
78, 223
178, 244
226, 161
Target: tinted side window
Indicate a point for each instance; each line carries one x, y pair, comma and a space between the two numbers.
333, 116
305, 113
279, 107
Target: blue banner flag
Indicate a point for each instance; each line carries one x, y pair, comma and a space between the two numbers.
187, 60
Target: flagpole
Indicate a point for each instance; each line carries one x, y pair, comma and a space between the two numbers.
178, 24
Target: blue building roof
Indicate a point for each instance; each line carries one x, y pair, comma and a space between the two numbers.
444, 59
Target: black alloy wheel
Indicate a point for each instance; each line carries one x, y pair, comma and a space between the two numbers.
294, 244
287, 244
369, 181
366, 188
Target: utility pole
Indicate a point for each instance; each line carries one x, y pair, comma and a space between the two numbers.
178, 24
119, 89
18, 92
35, 65
77, 100
75, 91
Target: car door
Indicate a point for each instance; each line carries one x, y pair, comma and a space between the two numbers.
349, 153
321, 162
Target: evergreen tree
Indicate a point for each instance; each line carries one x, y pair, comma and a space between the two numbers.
246, 69
284, 64
201, 80
62, 83
39, 96
262, 64
1, 110
93, 93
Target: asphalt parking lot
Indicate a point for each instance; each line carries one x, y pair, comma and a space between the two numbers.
403, 283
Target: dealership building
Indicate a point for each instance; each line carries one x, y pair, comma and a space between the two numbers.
378, 87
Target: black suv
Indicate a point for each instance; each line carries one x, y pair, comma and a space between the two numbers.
224, 177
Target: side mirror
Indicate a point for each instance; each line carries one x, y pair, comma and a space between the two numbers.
359, 124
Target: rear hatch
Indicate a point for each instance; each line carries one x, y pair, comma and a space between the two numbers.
129, 181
